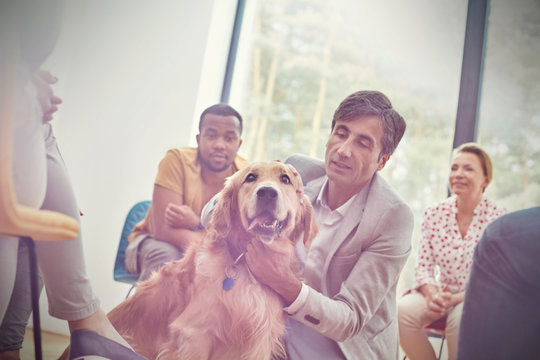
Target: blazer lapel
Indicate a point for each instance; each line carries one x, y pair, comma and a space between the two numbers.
352, 220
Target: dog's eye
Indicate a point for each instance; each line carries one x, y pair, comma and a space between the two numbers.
285, 179
251, 178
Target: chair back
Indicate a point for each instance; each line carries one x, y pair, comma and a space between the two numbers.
136, 214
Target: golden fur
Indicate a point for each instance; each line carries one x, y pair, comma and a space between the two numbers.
183, 311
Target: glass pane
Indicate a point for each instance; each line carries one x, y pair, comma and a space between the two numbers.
299, 58
509, 113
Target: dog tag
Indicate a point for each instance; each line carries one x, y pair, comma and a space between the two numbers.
231, 273
228, 283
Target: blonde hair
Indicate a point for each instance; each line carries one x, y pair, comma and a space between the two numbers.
485, 161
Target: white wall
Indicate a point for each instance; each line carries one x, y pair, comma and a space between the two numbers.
134, 76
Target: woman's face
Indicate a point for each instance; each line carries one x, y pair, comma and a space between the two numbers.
466, 175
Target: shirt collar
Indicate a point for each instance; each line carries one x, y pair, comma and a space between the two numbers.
321, 199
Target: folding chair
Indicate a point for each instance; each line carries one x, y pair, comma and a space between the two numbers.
437, 329
136, 214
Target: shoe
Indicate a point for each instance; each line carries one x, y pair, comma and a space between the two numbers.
87, 344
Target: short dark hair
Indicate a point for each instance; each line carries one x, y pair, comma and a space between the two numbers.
222, 110
373, 103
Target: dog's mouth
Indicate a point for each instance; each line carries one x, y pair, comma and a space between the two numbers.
266, 225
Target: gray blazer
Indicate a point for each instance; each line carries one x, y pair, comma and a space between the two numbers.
357, 306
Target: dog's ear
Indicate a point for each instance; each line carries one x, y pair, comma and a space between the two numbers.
225, 208
305, 223
310, 223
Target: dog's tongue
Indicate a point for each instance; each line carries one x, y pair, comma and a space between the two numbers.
264, 221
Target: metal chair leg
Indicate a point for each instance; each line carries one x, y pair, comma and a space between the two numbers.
35, 297
131, 289
441, 347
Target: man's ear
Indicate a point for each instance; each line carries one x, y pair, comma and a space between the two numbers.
198, 138
383, 161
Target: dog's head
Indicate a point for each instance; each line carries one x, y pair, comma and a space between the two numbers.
262, 200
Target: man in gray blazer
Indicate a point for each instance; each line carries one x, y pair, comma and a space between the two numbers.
345, 308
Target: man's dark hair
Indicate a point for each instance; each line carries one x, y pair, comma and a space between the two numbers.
222, 110
373, 103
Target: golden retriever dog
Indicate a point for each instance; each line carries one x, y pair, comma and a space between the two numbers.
208, 305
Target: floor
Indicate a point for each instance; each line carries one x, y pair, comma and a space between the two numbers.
52, 345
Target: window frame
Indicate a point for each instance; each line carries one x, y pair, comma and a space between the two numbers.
466, 125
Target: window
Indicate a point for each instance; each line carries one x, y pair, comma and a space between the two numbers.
298, 59
509, 115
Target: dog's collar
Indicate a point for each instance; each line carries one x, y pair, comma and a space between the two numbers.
231, 273
232, 251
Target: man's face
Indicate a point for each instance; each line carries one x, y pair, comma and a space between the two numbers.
352, 153
218, 141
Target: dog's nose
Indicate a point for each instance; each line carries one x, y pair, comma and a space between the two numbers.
267, 193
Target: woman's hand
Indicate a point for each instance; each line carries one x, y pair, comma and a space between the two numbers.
449, 300
436, 306
455, 299
436, 301
439, 301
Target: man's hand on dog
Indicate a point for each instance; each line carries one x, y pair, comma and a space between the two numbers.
273, 271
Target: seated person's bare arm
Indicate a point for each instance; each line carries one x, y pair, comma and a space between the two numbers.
172, 220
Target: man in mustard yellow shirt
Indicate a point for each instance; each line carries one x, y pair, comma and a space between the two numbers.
187, 179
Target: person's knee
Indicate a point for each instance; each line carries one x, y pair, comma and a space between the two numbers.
406, 310
411, 312
154, 254
163, 254
402, 309
453, 318
410, 302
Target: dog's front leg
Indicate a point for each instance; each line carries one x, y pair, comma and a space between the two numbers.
143, 318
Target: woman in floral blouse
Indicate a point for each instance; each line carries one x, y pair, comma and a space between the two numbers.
450, 231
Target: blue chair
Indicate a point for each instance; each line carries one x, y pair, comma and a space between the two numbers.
136, 214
